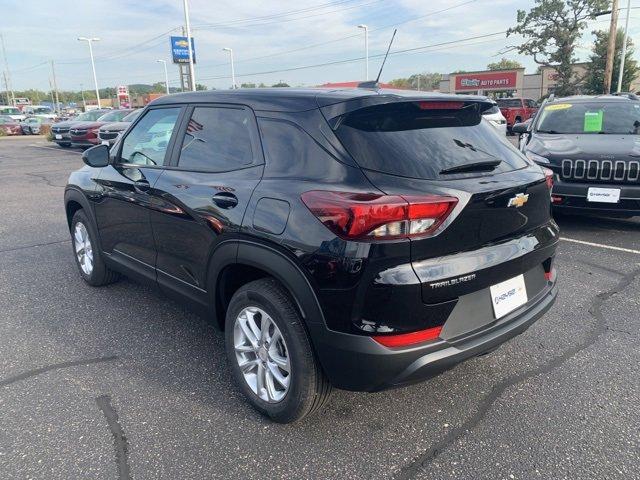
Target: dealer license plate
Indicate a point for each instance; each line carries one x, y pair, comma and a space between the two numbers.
58, 136
603, 195
508, 295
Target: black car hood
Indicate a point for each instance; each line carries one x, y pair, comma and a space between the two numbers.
585, 147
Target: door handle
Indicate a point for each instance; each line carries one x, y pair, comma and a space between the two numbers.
225, 200
141, 186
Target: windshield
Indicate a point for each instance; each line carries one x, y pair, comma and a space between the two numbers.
413, 139
132, 116
5, 119
37, 110
114, 116
10, 111
90, 116
603, 117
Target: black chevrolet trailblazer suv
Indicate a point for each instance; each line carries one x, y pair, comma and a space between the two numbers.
361, 239
592, 144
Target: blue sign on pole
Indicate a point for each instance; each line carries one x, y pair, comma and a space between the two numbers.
180, 49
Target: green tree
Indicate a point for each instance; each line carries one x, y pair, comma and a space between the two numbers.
200, 86
418, 81
551, 30
247, 85
504, 64
280, 84
595, 70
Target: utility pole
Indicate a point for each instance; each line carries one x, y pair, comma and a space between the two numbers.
624, 48
188, 27
55, 87
84, 104
611, 47
51, 89
6, 86
7, 72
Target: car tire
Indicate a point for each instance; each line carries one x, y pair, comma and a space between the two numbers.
65, 145
267, 304
87, 252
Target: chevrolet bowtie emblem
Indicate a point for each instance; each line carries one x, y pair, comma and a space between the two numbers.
519, 200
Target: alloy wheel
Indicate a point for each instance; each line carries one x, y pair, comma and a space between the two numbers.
262, 354
84, 250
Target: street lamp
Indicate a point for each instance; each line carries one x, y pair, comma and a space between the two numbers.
366, 47
187, 25
166, 75
93, 65
233, 72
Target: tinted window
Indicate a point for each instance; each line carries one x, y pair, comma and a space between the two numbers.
147, 142
114, 116
90, 116
509, 103
598, 117
402, 139
10, 111
217, 139
492, 110
132, 116
531, 103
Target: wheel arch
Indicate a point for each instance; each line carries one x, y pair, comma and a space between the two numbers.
75, 200
242, 261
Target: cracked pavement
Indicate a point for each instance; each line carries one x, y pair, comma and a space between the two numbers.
119, 382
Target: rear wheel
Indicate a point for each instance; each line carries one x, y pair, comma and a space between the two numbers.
88, 256
270, 354
65, 145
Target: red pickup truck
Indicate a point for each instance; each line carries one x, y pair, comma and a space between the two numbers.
516, 110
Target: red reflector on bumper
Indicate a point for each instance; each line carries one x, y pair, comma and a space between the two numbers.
551, 275
407, 339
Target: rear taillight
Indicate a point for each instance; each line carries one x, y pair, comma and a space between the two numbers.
370, 216
548, 177
408, 339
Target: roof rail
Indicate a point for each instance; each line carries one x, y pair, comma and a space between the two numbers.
629, 95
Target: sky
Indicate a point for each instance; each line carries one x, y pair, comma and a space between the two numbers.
272, 40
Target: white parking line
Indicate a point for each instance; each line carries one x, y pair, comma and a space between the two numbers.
600, 245
56, 149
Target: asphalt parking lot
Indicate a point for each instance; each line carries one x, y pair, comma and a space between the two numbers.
119, 382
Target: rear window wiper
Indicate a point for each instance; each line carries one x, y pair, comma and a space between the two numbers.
485, 166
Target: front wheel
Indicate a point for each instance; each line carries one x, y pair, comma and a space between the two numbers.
270, 353
87, 254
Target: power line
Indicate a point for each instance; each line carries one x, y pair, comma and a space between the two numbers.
307, 47
357, 59
272, 16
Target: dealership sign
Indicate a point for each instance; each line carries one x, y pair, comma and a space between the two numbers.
486, 81
180, 50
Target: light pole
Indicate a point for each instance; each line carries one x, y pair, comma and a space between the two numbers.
366, 48
187, 25
93, 65
233, 72
166, 75
624, 48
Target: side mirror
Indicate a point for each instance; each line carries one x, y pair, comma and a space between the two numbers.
520, 128
97, 156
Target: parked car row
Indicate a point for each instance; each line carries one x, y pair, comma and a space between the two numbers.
84, 130
28, 126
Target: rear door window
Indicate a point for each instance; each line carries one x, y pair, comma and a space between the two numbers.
218, 139
405, 139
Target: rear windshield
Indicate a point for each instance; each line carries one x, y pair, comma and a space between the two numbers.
405, 139
597, 117
509, 102
491, 110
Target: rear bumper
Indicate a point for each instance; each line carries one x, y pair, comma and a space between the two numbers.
354, 362
574, 199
